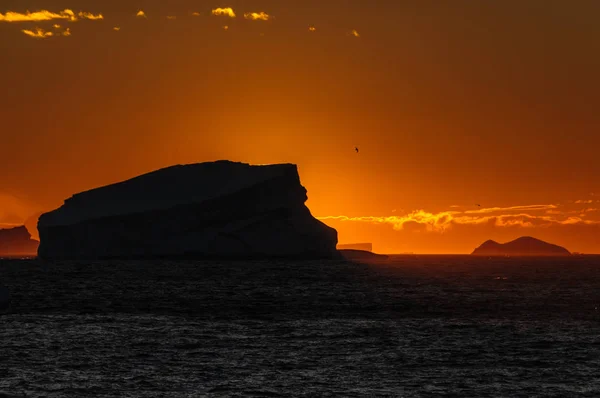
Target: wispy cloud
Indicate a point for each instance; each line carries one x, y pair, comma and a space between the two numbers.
228, 11
511, 208
90, 16
38, 33
37, 16
257, 16
171, 17
581, 201
514, 216
196, 14
116, 28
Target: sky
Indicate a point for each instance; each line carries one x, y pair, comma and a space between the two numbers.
475, 120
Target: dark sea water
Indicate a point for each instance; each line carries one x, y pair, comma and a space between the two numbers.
413, 326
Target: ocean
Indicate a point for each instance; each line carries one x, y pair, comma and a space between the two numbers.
411, 326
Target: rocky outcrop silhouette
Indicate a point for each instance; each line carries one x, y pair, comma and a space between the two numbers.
17, 242
207, 210
523, 246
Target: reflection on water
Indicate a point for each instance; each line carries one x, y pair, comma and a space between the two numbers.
414, 326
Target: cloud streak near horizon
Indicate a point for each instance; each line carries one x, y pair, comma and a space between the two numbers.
513, 216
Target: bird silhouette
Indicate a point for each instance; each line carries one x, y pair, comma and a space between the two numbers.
356, 149
478, 205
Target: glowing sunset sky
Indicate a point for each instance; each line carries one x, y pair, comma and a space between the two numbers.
452, 104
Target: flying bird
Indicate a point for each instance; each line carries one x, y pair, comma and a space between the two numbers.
478, 205
356, 149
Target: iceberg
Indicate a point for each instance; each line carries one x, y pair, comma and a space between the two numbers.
17, 242
217, 209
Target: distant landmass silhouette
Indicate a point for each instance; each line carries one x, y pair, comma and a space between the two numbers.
17, 242
523, 246
356, 246
217, 209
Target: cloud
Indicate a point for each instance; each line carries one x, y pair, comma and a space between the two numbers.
90, 16
67, 32
37, 16
171, 17
226, 27
433, 222
116, 28
141, 14
584, 201
228, 11
495, 216
56, 26
257, 16
354, 33
512, 208
45, 15
312, 29
195, 14
38, 33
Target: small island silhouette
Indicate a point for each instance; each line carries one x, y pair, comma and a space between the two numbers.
523, 246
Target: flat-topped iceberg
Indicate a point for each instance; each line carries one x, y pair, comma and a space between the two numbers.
207, 210
17, 242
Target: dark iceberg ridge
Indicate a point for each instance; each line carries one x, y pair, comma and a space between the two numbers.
362, 256
523, 246
213, 210
367, 247
17, 242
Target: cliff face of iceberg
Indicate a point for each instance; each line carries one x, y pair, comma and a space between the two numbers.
17, 242
208, 210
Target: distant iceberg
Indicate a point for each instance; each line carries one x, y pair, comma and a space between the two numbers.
17, 242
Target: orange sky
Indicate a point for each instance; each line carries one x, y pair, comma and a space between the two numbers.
452, 104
